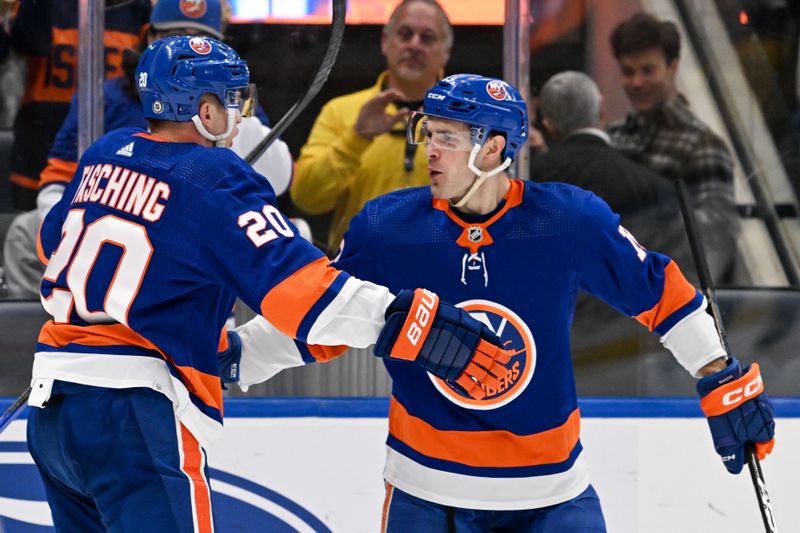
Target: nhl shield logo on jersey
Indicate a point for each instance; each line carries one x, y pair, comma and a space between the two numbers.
475, 234
193, 8
200, 45
497, 90
517, 337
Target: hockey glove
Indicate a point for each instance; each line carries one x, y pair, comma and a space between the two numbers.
228, 360
738, 412
443, 339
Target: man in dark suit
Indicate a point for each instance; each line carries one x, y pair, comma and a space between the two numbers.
581, 153
571, 108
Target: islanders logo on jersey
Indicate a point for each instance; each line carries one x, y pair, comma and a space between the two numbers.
497, 90
517, 337
200, 45
193, 8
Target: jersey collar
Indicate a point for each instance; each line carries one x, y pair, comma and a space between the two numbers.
147, 135
475, 235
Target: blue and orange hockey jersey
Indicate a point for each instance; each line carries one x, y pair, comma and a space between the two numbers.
146, 252
518, 270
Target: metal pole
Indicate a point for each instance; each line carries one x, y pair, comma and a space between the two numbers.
91, 25
516, 63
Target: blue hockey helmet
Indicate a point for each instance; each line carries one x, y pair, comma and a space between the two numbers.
201, 15
487, 105
174, 72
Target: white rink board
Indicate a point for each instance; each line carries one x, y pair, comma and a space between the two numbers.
653, 475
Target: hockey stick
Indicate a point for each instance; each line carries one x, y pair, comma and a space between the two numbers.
320, 77
696, 245
15, 409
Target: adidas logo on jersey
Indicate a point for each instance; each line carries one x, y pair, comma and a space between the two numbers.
126, 150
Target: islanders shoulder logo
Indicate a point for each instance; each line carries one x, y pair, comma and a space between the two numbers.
517, 337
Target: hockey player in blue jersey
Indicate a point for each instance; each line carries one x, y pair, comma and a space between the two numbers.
148, 248
515, 254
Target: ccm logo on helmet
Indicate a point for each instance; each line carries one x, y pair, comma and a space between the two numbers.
422, 316
434, 96
751, 389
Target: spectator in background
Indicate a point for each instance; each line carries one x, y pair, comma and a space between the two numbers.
357, 148
662, 133
23, 270
572, 113
45, 32
580, 153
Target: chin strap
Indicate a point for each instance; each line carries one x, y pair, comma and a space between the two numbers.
481, 175
219, 140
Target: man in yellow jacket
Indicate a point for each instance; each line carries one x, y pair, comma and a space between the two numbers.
357, 148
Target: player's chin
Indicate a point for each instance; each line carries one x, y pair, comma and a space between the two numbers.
439, 192
436, 191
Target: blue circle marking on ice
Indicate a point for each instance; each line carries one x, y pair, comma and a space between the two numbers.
238, 502
284, 512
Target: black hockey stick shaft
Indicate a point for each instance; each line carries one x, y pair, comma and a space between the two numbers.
698, 254
15, 409
320, 77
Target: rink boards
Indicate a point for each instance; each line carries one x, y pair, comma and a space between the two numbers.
303, 464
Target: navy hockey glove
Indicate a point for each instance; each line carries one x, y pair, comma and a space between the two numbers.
444, 339
738, 413
229, 359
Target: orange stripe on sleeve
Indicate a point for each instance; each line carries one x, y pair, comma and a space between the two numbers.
287, 303
57, 171
496, 448
207, 387
677, 293
40, 249
193, 468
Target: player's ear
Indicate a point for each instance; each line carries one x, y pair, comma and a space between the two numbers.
494, 147
205, 109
